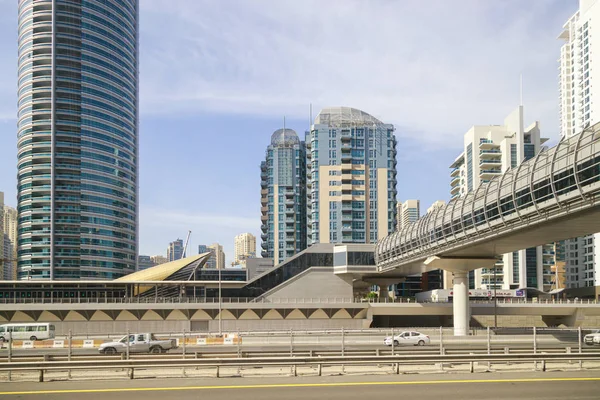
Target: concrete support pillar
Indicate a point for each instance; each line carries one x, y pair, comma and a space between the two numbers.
460, 303
384, 293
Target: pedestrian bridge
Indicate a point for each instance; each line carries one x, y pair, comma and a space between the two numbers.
551, 197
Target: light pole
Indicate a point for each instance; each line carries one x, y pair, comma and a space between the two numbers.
220, 309
495, 301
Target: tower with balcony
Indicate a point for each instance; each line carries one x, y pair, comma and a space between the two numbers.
283, 196
489, 151
351, 177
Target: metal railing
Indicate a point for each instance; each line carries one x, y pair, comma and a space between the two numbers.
263, 300
315, 362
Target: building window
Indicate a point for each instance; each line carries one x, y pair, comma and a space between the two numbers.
513, 156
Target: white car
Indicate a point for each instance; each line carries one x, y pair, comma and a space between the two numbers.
408, 338
592, 338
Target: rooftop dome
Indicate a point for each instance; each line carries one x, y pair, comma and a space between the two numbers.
284, 138
345, 117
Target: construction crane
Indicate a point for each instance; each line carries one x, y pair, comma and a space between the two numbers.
186, 244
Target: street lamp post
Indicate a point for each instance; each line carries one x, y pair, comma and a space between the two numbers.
220, 307
495, 301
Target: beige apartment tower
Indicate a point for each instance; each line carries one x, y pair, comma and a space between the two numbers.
219, 255
245, 247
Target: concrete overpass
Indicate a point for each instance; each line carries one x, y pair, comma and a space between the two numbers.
551, 197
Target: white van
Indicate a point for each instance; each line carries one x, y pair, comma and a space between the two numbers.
27, 331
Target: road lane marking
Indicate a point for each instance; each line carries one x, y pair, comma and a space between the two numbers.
295, 385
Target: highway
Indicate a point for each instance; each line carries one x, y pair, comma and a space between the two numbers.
583, 385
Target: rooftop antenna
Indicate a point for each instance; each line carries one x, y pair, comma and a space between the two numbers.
284, 124
310, 116
521, 89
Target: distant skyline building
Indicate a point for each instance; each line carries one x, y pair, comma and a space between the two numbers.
211, 263
10, 231
175, 250
408, 211
436, 205
351, 177
3, 256
77, 139
145, 262
159, 259
283, 196
218, 255
579, 103
489, 151
244, 247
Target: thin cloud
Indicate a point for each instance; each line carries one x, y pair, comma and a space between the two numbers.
437, 66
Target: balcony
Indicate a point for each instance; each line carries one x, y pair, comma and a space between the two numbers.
263, 192
346, 227
489, 173
455, 181
486, 154
487, 144
455, 191
488, 163
290, 211
455, 172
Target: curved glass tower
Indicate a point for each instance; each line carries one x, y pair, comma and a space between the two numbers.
77, 138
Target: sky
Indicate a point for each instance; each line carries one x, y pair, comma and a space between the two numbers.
218, 77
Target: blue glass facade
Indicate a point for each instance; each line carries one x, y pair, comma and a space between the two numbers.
77, 138
283, 194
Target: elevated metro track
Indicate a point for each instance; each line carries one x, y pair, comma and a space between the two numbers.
551, 197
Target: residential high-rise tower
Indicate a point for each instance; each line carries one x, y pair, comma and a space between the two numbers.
283, 196
489, 151
175, 250
77, 139
219, 255
351, 177
245, 247
408, 211
579, 101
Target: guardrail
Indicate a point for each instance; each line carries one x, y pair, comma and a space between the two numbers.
318, 362
241, 353
262, 300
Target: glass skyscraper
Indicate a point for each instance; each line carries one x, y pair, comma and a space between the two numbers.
351, 177
77, 138
283, 196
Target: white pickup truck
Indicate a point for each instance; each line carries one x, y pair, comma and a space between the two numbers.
138, 343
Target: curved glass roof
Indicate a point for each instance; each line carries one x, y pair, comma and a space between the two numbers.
345, 117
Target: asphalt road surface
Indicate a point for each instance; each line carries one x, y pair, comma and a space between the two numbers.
583, 385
